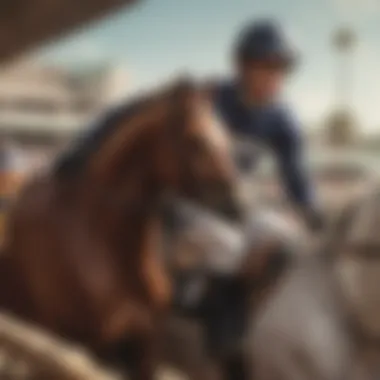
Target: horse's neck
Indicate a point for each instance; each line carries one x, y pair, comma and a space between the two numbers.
140, 244
126, 205
114, 179
118, 196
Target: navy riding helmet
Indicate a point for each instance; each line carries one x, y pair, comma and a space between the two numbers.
265, 41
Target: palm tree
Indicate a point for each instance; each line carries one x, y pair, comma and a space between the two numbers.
341, 126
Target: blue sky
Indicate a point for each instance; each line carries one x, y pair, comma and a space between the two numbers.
161, 37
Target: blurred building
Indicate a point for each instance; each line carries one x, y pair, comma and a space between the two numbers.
45, 106
339, 175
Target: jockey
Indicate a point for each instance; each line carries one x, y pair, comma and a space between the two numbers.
250, 105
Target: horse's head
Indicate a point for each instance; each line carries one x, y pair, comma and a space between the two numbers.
194, 156
171, 142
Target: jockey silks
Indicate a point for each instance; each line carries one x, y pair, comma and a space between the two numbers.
271, 127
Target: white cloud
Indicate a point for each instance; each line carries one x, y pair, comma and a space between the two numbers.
367, 84
353, 10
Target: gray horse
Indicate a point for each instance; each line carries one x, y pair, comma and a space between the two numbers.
206, 249
323, 322
320, 319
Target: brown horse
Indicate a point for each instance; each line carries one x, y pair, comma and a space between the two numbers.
81, 256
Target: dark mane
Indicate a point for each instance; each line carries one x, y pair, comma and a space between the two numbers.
74, 159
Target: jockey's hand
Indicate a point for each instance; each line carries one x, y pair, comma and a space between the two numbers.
315, 221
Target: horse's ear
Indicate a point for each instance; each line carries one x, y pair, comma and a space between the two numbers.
182, 95
183, 89
186, 85
210, 88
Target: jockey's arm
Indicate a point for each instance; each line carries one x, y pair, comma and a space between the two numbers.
288, 145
